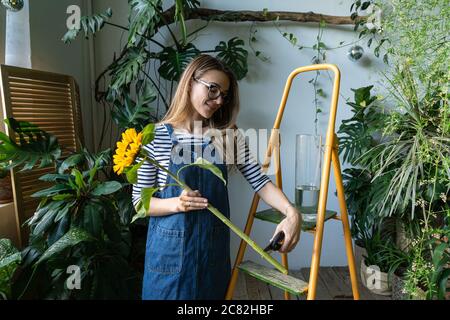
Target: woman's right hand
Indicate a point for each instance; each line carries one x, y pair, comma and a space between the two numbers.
189, 201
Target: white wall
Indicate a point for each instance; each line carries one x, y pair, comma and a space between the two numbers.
49, 53
261, 92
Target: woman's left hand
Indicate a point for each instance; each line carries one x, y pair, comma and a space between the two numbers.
291, 226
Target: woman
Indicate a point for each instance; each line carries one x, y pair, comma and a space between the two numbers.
188, 248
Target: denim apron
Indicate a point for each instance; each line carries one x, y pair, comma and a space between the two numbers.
188, 253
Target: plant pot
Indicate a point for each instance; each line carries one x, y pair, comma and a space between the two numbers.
398, 292
6, 193
360, 252
398, 286
376, 281
403, 239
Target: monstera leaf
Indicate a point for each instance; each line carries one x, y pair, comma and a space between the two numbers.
143, 20
173, 62
89, 24
130, 114
234, 55
34, 145
127, 68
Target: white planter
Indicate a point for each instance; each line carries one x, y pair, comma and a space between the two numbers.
376, 281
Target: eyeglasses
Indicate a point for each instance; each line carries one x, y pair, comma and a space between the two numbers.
214, 91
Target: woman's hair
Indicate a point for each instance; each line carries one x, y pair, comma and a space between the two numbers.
180, 108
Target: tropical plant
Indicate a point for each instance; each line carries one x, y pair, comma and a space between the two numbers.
142, 53
78, 223
34, 145
405, 152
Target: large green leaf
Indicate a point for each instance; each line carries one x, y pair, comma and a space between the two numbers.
89, 24
106, 188
73, 237
148, 134
130, 114
144, 203
79, 181
92, 218
34, 145
53, 209
179, 17
52, 191
131, 173
173, 62
205, 164
234, 56
71, 161
127, 68
143, 19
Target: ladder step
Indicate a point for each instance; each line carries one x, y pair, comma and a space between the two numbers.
275, 278
309, 220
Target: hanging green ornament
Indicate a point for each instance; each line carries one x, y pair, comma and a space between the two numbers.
13, 5
355, 53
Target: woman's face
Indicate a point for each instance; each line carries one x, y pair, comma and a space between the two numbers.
202, 102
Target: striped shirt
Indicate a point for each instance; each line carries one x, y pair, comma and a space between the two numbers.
160, 150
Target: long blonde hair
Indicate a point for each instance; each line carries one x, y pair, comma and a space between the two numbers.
225, 118
180, 108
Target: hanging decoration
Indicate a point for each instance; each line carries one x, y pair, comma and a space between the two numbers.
355, 53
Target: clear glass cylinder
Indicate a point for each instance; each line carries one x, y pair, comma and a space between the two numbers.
308, 164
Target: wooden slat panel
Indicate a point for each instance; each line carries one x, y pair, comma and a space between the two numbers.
60, 89
34, 91
50, 101
17, 100
40, 109
36, 82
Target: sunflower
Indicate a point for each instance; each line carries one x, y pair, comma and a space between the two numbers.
127, 150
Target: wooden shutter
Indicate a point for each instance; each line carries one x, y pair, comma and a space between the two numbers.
51, 101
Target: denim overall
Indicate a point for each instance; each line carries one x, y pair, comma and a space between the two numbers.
188, 253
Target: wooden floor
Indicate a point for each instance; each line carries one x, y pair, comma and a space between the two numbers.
334, 284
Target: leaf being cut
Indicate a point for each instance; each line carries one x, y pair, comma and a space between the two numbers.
205, 164
144, 203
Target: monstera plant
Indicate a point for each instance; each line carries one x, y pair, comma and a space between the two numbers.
130, 74
81, 224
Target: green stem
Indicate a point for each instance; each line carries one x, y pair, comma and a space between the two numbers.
225, 220
247, 239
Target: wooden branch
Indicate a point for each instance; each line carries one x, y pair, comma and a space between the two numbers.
261, 16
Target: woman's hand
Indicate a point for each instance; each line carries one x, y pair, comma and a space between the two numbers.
189, 201
291, 226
